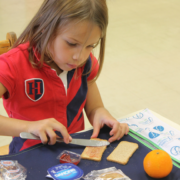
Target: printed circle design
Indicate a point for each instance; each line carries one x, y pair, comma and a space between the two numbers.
159, 128
150, 119
153, 135
134, 125
146, 121
175, 150
138, 116
172, 133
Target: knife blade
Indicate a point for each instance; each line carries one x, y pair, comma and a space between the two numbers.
81, 142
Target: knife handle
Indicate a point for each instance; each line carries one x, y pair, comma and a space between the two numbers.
26, 135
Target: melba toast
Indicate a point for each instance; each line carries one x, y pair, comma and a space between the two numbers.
92, 152
123, 152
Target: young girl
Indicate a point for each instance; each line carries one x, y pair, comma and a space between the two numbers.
48, 78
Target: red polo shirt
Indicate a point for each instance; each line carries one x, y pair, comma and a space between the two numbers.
37, 94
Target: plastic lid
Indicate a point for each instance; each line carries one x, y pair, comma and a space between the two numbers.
66, 171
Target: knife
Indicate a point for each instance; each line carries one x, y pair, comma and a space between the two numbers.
81, 142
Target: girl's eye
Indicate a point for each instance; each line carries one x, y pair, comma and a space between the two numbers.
71, 44
92, 46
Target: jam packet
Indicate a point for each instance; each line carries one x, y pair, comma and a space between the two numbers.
66, 171
69, 157
10, 170
106, 174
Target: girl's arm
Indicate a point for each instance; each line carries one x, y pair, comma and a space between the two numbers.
42, 128
10, 126
3, 90
99, 116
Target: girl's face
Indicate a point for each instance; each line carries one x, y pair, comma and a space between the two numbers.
73, 44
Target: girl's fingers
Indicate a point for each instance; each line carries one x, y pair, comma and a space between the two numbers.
43, 137
121, 134
45, 130
115, 133
51, 136
67, 138
114, 137
124, 129
96, 131
127, 129
118, 131
62, 129
115, 129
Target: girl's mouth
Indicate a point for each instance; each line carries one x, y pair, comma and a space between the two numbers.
73, 66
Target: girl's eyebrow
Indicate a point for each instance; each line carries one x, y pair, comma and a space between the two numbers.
75, 40
80, 42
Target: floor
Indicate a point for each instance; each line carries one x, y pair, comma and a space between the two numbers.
142, 59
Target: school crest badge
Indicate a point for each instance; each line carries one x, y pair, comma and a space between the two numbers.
34, 88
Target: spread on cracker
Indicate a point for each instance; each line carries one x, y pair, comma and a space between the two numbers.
94, 153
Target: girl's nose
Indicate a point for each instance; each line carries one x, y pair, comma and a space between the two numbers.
78, 55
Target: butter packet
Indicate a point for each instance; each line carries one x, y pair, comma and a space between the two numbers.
106, 174
10, 170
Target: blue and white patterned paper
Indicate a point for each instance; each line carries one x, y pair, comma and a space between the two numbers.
156, 131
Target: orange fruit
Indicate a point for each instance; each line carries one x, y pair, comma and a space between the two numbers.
157, 163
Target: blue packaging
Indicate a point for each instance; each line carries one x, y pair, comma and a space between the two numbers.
66, 171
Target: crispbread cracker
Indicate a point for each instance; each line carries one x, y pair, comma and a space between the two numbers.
123, 152
111, 175
94, 153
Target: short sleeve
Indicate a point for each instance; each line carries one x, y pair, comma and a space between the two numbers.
94, 67
7, 74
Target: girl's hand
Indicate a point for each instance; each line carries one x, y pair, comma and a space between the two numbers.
45, 130
102, 117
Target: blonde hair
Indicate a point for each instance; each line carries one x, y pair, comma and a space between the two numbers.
54, 14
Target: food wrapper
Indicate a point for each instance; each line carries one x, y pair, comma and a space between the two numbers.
106, 174
10, 170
